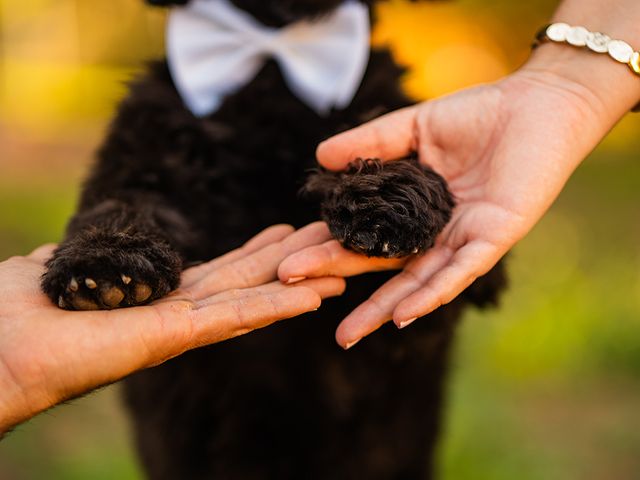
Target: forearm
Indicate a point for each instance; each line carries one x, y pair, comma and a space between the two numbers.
610, 87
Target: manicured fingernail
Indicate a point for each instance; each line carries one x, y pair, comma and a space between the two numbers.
351, 344
406, 323
295, 280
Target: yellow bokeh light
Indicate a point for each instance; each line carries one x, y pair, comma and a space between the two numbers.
444, 47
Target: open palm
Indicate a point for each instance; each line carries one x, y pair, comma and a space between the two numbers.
48, 354
505, 149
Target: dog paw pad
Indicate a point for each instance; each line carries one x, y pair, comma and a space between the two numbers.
111, 296
123, 271
81, 303
142, 292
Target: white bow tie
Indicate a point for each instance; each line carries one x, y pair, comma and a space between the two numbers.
214, 49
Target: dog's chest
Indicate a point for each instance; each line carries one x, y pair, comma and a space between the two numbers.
246, 163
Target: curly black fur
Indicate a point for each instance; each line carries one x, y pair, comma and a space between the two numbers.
169, 189
383, 210
276, 13
114, 257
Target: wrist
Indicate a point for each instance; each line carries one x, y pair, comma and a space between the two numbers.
608, 89
613, 87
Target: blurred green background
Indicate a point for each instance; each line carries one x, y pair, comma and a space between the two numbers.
547, 387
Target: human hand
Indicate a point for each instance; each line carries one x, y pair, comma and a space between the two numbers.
48, 355
506, 150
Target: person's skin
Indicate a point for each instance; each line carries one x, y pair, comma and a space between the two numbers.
48, 355
506, 150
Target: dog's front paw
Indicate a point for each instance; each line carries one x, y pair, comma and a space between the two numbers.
98, 270
391, 209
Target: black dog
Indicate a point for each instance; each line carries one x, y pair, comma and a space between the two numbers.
285, 402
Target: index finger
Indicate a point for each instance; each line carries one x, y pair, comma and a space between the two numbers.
259, 267
270, 235
331, 259
389, 137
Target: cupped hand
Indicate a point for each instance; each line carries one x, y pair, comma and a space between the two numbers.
505, 149
48, 355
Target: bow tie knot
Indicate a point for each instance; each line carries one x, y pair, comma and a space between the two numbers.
214, 49
272, 43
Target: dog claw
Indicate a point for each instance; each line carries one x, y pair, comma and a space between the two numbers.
81, 303
142, 292
112, 296
125, 279
90, 283
61, 302
73, 285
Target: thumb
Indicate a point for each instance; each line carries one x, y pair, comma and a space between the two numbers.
389, 137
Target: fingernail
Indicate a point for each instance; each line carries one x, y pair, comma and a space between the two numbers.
295, 280
406, 323
351, 344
